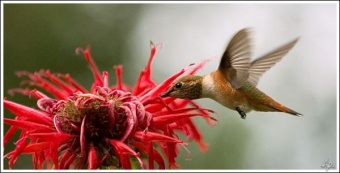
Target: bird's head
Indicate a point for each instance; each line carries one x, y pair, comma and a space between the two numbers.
187, 87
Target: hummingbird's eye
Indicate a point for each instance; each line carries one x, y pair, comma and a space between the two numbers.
179, 85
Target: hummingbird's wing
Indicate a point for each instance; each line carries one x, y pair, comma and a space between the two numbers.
264, 63
235, 61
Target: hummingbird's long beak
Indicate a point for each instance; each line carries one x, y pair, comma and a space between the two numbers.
166, 94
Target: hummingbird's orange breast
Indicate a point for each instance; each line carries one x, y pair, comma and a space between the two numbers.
216, 87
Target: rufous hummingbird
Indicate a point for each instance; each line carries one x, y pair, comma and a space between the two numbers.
233, 84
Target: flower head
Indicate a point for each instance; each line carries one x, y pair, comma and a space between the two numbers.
115, 126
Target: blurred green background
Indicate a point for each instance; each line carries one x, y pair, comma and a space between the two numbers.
45, 36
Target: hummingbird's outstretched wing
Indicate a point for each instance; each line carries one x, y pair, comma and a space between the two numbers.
235, 62
264, 63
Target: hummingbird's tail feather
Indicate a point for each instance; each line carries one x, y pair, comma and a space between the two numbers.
268, 104
280, 108
261, 102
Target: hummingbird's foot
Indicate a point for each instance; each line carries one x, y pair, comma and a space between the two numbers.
243, 115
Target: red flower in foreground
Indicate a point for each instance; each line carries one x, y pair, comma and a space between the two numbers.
107, 127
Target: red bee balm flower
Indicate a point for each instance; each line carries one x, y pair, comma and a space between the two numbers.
107, 127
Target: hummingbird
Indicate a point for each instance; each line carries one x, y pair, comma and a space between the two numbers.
233, 84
